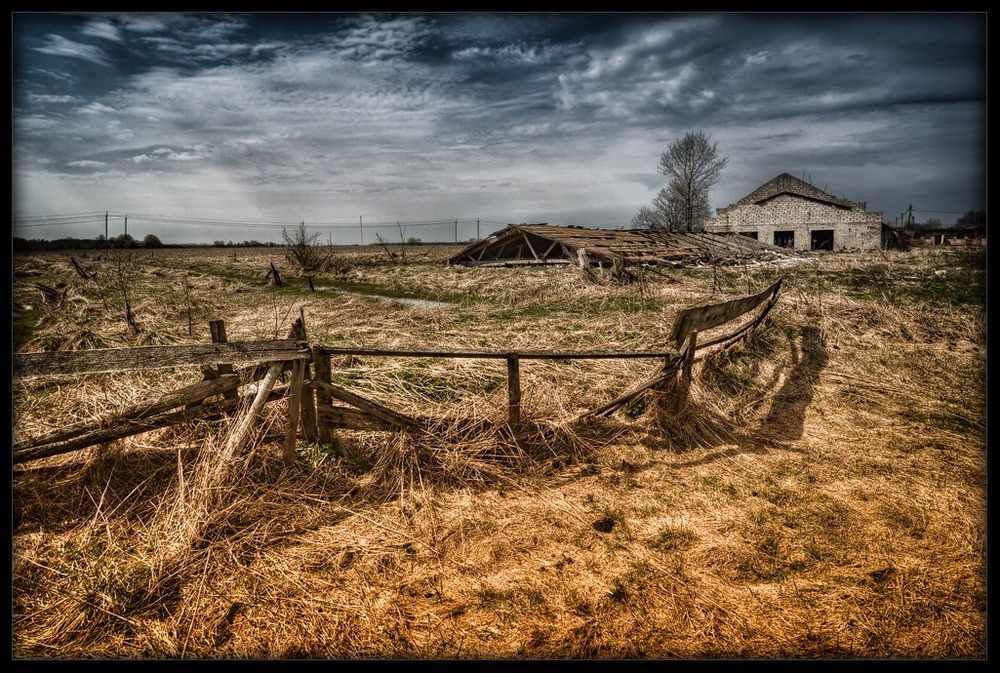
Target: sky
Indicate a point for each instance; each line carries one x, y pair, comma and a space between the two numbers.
438, 126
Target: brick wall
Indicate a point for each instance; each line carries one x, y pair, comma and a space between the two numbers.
853, 227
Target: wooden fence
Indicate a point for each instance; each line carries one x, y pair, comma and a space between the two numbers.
311, 392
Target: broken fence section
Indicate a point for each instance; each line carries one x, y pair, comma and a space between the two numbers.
311, 392
361, 413
187, 404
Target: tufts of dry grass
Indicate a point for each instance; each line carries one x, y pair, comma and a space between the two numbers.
820, 496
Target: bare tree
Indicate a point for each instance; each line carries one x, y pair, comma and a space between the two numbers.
665, 213
124, 272
302, 248
385, 246
693, 166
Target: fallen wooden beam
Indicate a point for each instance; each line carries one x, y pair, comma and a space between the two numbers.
51, 294
328, 416
185, 396
664, 374
124, 429
80, 270
374, 408
238, 438
137, 427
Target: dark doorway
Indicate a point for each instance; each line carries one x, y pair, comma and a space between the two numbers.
822, 239
784, 239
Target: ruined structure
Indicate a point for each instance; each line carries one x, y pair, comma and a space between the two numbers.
916, 235
792, 213
544, 244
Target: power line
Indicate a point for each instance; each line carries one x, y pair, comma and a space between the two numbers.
84, 218
100, 219
57, 220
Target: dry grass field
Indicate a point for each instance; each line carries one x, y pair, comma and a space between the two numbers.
823, 496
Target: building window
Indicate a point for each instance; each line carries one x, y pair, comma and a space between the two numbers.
784, 239
749, 234
822, 239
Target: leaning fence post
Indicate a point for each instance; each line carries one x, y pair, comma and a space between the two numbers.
513, 391
685, 384
307, 404
322, 362
239, 437
294, 399
218, 328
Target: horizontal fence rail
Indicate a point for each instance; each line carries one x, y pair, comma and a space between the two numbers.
107, 360
498, 354
702, 318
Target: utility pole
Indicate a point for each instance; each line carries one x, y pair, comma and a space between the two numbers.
125, 240
362, 230
105, 228
478, 238
456, 231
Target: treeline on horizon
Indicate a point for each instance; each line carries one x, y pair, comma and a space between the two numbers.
150, 242
20, 244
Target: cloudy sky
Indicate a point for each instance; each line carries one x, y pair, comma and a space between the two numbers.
203, 127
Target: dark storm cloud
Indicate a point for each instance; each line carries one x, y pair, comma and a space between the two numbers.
501, 116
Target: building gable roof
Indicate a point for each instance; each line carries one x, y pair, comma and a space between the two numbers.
789, 184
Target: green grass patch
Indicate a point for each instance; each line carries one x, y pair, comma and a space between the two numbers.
336, 452
427, 385
953, 285
516, 597
26, 326
716, 485
671, 538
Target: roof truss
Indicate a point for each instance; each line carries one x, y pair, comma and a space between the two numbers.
537, 244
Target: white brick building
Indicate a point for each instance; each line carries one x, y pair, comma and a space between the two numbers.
794, 214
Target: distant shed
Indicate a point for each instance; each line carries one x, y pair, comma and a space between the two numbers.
543, 244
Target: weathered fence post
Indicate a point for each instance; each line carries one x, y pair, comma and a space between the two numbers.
308, 406
274, 276
294, 399
308, 403
218, 328
680, 400
300, 399
513, 391
238, 439
323, 398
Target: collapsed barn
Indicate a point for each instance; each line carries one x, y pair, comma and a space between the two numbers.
544, 244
